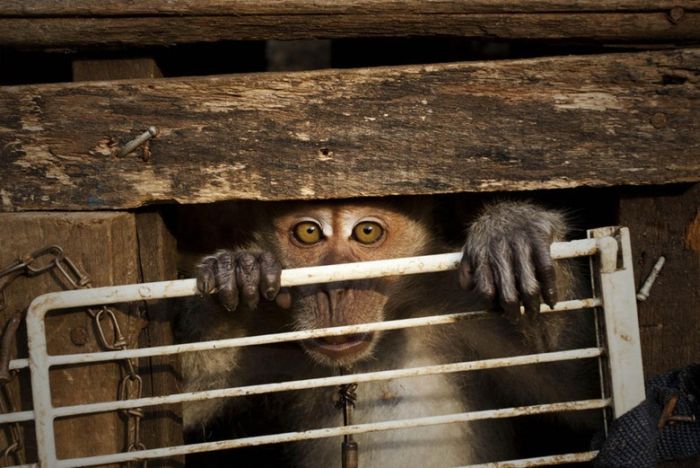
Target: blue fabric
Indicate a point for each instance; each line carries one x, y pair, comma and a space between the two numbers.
634, 439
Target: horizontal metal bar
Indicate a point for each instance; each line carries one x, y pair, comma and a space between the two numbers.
17, 416
66, 359
584, 353
412, 265
337, 431
17, 364
581, 457
292, 277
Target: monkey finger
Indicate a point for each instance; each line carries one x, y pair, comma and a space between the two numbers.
527, 284
227, 293
248, 279
483, 279
205, 276
284, 299
503, 270
228, 296
270, 272
465, 273
545, 272
531, 303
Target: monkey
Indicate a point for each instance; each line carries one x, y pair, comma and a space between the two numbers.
506, 263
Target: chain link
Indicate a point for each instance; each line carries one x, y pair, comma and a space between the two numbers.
15, 447
109, 335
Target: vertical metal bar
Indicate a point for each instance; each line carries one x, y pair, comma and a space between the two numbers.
41, 389
616, 286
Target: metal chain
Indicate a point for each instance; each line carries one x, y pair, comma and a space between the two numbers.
53, 258
347, 397
131, 385
15, 447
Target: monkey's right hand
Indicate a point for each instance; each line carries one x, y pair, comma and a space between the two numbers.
241, 277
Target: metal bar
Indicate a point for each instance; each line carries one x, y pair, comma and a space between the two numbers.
41, 384
584, 353
445, 319
336, 431
581, 457
293, 277
411, 265
17, 364
17, 416
623, 342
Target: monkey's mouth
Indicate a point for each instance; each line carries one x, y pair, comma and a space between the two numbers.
341, 347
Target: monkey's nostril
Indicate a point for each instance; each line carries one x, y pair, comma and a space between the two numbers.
270, 294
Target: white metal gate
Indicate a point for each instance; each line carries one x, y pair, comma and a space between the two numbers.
620, 349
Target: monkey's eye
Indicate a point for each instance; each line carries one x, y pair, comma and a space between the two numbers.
307, 232
367, 232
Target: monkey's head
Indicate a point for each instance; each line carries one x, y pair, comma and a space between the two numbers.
323, 233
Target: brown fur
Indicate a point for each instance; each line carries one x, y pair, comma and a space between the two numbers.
498, 234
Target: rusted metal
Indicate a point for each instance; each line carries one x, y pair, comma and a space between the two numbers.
643, 293
667, 417
7, 346
347, 396
138, 141
562, 459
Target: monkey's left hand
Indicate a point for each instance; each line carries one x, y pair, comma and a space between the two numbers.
507, 259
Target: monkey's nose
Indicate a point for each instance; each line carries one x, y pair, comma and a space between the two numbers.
328, 302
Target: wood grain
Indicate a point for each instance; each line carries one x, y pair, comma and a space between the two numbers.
666, 221
620, 119
162, 426
77, 23
104, 246
36, 8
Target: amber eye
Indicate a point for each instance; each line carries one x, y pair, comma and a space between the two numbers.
367, 232
307, 232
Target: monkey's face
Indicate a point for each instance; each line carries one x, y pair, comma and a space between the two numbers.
327, 233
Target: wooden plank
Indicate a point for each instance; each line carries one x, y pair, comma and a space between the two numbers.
161, 22
479, 126
37, 8
666, 221
162, 426
104, 246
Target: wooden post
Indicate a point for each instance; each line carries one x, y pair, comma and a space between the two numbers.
161, 427
666, 221
103, 245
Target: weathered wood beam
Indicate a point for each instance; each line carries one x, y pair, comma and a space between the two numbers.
666, 221
604, 120
279, 7
54, 23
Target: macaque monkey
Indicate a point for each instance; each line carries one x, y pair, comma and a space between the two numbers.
506, 264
